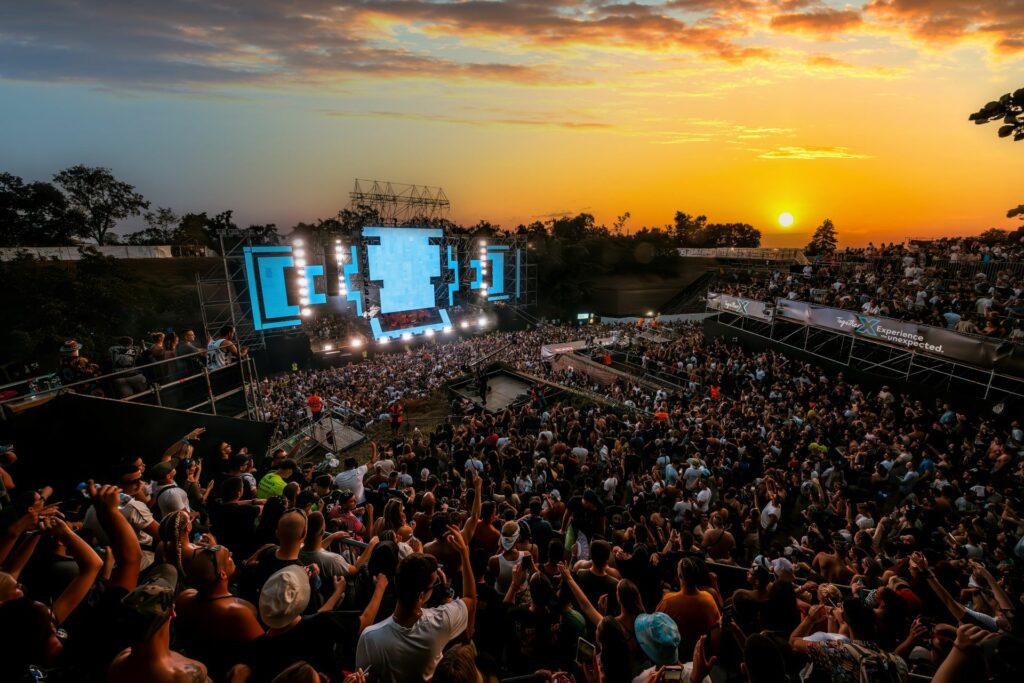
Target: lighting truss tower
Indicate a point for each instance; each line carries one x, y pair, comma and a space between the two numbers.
399, 203
224, 292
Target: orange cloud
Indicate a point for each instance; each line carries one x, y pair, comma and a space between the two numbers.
998, 24
805, 153
820, 21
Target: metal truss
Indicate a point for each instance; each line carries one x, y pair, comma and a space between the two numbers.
399, 203
881, 360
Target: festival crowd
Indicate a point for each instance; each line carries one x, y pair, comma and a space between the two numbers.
767, 522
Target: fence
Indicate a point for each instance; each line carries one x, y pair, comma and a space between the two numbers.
74, 253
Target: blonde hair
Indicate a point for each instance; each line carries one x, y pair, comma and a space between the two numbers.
173, 528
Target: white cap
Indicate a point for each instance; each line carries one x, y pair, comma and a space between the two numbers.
284, 596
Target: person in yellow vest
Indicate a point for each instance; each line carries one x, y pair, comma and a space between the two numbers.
272, 484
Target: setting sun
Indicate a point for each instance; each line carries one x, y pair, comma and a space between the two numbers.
785, 219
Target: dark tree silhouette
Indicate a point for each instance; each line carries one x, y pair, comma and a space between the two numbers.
100, 198
824, 240
1010, 109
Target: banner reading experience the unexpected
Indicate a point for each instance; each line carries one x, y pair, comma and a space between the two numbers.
936, 341
750, 308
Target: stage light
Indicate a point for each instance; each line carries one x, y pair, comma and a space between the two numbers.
300, 253
650, 314
328, 347
483, 243
297, 242
464, 324
300, 263
303, 291
384, 340
355, 342
337, 241
483, 292
301, 270
407, 336
429, 333
482, 321
447, 329
305, 302
307, 312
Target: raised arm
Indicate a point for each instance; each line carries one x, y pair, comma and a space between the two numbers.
23, 524
123, 541
380, 584
178, 447
919, 564
592, 615
89, 565
468, 580
469, 528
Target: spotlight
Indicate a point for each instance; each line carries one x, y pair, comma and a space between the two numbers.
297, 242
384, 340
304, 301
482, 321
303, 291
483, 292
406, 336
429, 333
301, 270
483, 244
306, 312
355, 342
337, 241
447, 329
650, 314
300, 263
300, 253
464, 324
328, 347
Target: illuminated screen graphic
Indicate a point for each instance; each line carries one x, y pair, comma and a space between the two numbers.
405, 264
406, 278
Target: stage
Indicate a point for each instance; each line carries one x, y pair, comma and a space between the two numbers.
504, 389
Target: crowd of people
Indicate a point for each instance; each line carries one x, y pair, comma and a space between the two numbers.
988, 305
953, 249
766, 522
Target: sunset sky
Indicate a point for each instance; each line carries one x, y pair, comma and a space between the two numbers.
527, 109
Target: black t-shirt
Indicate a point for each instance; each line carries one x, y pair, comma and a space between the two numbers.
266, 566
533, 639
234, 525
326, 641
594, 585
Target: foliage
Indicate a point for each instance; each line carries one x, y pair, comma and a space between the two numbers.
99, 198
163, 226
33, 214
94, 300
1010, 109
697, 232
824, 241
1016, 213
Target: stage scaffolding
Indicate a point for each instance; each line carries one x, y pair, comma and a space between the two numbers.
397, 204
879, 359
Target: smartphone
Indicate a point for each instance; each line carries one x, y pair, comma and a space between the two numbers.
672, 673
584, 652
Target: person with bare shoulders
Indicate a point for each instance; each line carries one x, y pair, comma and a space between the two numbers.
151, 608
213, 624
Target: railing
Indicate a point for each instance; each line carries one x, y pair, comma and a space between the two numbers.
182, 382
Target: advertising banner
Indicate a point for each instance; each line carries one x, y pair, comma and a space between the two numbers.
936, 341
750, 308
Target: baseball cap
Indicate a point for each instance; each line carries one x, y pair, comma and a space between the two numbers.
163, 468
658, 637
70, 348
152, 601
284, 596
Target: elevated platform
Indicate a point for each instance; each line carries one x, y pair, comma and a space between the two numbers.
505, 389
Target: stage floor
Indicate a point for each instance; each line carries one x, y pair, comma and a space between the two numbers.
502, 391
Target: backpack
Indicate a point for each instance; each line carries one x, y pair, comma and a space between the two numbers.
877, 666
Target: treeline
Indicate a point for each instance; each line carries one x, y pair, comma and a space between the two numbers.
85, 203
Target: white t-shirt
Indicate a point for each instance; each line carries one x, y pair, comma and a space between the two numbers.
353, 481
703, 500
138, 515
331, 564
769, 510
692, 476
399, 654
171, 499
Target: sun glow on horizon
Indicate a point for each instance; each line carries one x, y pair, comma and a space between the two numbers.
785, 219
